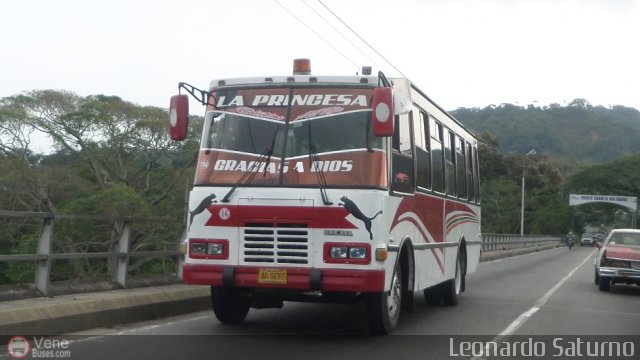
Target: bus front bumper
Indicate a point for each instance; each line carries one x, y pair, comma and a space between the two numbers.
303, 279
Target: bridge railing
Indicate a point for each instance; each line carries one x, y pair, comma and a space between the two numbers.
491, 242
119, 251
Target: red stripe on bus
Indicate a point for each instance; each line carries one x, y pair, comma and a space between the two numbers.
315, 217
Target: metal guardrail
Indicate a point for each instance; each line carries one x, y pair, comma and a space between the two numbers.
44, 254
491, 242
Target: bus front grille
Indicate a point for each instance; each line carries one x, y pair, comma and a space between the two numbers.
275, 243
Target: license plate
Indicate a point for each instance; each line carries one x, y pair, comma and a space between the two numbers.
272, 276
636, 265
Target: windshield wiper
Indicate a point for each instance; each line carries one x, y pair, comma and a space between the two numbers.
270, 150
249, 174
314, 159
252, 171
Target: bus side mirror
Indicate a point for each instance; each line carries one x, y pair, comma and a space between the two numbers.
382, 111
179, 117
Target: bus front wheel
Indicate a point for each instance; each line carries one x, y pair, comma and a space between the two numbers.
383, 308
229, 305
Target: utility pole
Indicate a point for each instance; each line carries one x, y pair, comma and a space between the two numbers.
531, 152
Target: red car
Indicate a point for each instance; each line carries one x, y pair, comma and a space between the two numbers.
618, 260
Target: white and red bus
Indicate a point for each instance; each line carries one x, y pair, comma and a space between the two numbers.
329, 189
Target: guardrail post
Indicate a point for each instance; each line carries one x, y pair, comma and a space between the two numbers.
43, 266
123, 253
183, 238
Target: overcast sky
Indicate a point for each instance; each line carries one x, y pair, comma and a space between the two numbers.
462, 53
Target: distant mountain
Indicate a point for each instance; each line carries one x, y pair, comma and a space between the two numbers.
578, 133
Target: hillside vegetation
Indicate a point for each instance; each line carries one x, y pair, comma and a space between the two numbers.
580, 149
579, 133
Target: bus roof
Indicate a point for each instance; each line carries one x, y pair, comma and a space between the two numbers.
365, 80
401, 85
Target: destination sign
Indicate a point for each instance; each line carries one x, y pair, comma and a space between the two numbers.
630, 202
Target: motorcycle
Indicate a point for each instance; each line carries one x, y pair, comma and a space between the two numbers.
570, 242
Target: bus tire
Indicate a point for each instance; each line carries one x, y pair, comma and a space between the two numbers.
229, 305
383, 309
451, 289
432, 295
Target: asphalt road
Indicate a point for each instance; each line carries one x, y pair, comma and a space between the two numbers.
532, 298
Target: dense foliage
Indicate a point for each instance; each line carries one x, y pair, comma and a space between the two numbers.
546, 210
575, 145
576, 134
110, 157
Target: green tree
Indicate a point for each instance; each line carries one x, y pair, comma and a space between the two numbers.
110, 157
104, 140
546, 211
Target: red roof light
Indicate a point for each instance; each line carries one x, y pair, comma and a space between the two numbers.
301, 67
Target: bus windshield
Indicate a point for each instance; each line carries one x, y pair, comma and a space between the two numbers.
289, 153
341, 132
244, 134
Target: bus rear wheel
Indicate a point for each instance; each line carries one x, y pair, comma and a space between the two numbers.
383, 309
432, 295
229, 305
448, 292
452, 289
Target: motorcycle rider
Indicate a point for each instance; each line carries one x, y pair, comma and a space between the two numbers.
570, 240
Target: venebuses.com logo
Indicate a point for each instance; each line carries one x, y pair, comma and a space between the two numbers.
19, 347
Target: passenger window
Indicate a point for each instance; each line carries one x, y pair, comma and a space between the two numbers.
437, 162
402, 158
423, 152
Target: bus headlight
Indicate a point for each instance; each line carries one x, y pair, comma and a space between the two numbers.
215, 249
198, 248
357, 253
209, 249
347, 253
339, 252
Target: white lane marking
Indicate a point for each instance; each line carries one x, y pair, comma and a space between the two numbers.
131, 331
509, 330
520, 320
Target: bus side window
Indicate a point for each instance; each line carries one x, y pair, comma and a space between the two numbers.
476, 174
449, 165
437, 162
469, 171
402, 158
460, 168
422, 151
